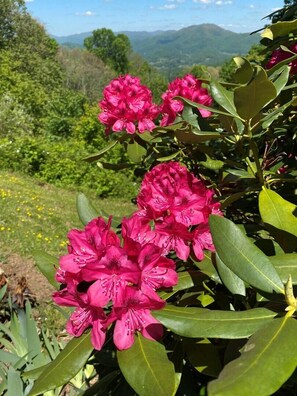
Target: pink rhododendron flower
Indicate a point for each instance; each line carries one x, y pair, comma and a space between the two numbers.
133, 314
178, 204
279, 55
99, 273
127, 105
84, 316
188, 87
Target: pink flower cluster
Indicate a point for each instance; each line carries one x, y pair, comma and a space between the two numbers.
174, 207
109, 281
279, 55
98, 273
127, 105
188, 87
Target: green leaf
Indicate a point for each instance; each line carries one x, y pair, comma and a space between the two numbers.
95, 157
35, 373
185, 281
250, 99
266, 362
47, 265
279, 29
200, 106
204, 356
223, 97
147, 369
273, 115
282, 79
244, 71
168, 157
233, 283
85, 209
277, 211
135, 151
203, 323
285, 264
14, 383
206, 267
242, 257
196, 136
66, 365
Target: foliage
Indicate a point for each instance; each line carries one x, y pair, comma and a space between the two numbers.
84, 72
110, 48
230, 319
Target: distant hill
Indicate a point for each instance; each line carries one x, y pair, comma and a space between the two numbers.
206, 44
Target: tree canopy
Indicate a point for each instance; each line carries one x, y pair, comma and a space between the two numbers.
112, 49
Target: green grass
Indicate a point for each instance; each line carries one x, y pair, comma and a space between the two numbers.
39, 216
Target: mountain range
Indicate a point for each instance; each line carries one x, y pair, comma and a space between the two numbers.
206, 44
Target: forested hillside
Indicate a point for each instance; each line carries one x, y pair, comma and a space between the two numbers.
49, 96
171, 50
49, 106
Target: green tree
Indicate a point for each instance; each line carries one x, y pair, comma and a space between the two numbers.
110, 48
11, 10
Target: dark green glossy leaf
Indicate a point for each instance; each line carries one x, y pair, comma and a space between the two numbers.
250, 99
147, 369
244, 71
285, 264
223, 97
242, 174
135, 151
204, 356
273, 115
85, 209
168, 157
277, 211
106, 165
35, 373
190, 117
47, 265
206, 267
196, 136
185, 281
266, 362
203, 323
242, 257
282, 79
233, 283
200, 106
100, 388
95, 157
66, 365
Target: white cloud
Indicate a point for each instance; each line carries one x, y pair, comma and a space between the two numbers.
220, 2
252, 6
203, 1
176, 1
168, 7
29, 1
86, 13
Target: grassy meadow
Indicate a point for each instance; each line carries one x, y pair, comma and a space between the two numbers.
36, 215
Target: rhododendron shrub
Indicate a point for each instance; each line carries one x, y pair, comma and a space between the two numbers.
193, 292
127, 106
109, 280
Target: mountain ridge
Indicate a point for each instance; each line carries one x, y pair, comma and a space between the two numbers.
206, 44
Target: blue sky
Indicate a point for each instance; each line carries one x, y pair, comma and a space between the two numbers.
64, 17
